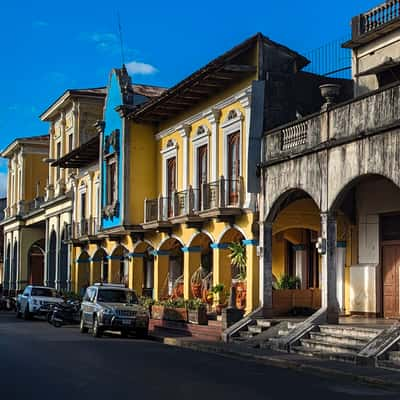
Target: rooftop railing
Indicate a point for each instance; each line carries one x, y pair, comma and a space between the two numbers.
362, 116
379, 16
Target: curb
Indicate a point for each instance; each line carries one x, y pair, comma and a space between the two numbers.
275, 361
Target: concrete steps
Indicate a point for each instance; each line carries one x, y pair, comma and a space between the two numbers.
391, 359
335, 342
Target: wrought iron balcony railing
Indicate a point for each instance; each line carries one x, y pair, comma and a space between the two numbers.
83, 228
223, 193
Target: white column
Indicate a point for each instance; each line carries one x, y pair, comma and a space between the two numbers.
214, 122
340, 274
185, 131
329, 283
301, 264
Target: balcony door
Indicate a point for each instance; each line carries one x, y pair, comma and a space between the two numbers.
233, 167
171, 183
202, 171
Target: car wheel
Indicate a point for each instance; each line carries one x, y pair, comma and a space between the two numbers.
18, 312
82, 327
124, 334
96, 332
142, 333
27, 314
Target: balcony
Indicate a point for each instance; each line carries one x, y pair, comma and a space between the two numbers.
222, 199
219, 199
84, 231
374, 23
360, 117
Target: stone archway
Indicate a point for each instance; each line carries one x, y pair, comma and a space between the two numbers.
168, 269
83, 272
143, 269
99, 266
118, 266
371, 205
36, 257
14, 268
7, 270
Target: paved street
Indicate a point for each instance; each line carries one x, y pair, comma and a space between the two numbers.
42, 362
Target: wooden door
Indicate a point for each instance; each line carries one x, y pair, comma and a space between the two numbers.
390, 272
202, 171
233, 167
171, 183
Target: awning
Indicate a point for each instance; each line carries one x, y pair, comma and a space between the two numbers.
85, 154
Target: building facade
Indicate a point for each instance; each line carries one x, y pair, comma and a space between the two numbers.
331, 179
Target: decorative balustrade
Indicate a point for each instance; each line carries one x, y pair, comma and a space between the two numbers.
34, 204
364, 115
294, 136
219, 194
83, 228
379, 16
222, 193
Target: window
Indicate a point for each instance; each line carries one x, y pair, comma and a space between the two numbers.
83, 206
202, 169
111, 181
233, 167
70, 143
171, 183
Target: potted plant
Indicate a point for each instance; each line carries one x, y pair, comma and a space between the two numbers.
239, 262
218, 292
197, 312
175, 310
196, 282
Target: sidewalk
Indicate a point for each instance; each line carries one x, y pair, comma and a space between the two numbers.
373, 376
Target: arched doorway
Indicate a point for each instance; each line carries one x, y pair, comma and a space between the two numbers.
228, 274
119, 266
52, 260
200, 279
295, 261
143, 269
63, 258
83, 272
36, 263
99, 267
371, 205
170, 267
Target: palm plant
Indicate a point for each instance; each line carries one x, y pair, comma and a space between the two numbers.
238, 258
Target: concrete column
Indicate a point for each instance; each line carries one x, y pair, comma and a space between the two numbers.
95, 271
185, 161
252, 275
266, 268
136, 277
214, 122
161, 266
340, 274
301, 264
58, 247
191, 262
329, 283
222, 270
114, 265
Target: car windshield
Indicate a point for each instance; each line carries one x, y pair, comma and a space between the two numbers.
117, 296
43, 292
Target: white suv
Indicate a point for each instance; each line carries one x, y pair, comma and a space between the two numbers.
36, 300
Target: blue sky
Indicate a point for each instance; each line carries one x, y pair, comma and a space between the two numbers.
48, 47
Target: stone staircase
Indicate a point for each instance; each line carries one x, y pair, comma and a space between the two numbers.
391, 359
335, 342
260, 325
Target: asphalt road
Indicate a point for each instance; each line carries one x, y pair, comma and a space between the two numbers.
40, 362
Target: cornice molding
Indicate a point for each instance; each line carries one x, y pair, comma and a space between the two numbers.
211, 112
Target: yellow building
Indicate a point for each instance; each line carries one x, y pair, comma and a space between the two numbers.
178, 175
40, 203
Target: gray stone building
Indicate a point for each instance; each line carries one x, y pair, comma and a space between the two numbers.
331, 180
